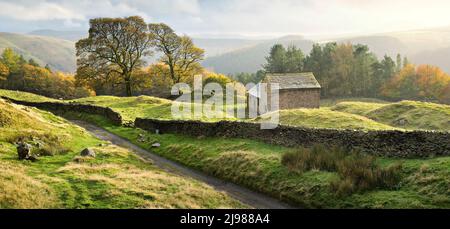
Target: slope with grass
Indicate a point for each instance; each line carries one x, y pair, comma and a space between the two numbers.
418, 183
132, 107
327, 118
25, 96
404, 114
422, 182
115, 178
58, 53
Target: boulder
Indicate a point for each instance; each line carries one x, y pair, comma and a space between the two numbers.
24, 151
88, 152
156, 145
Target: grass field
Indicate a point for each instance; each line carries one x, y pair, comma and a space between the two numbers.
25, 96
367, 114
404, 114
327, 118
423, 182
115, 178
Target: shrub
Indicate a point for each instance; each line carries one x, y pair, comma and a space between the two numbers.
357, 171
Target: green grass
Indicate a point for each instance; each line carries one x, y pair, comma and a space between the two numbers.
115, 178
358, 108
327, 118
25, 96
366, 114
423, 182
411, 115
332, 102
132, 107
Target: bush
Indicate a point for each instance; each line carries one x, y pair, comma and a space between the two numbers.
357, 171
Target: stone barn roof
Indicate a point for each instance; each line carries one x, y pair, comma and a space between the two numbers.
304, 80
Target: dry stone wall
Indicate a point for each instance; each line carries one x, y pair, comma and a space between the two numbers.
106, 112
382, 143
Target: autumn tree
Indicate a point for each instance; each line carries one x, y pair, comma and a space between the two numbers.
4, 72
383, 71
114, 49
319, 61
11, 60
179, 52
28, 76
424, 82
276, 61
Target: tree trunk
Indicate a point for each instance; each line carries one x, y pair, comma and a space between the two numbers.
128, 85
172, 73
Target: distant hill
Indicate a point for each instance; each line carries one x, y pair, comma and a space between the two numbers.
66, 35
215, 46
428, 46
379, 45
251, 58
232, 55
58, 53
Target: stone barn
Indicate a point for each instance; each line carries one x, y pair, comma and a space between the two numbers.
296, 90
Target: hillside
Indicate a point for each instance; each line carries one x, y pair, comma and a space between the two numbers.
58, 53
73, 35
251, 59
427, 46
115, 178
277, 171
404, 114
216, 46
327, 118
365, 114
232, 55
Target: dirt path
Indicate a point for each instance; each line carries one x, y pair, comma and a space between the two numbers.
246, 196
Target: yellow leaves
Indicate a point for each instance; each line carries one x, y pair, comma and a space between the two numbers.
423, 82
4, 71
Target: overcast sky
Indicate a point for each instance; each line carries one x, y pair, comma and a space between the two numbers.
233, 17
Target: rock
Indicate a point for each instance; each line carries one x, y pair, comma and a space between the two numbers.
156, 145
23, 150
87, 153
32, 158
401, 122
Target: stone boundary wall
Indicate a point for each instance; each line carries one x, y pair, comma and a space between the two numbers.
381, 143
106, 112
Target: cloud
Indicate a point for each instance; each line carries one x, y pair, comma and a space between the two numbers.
39, 12
246, 17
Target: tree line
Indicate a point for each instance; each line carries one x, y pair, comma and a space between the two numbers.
346, 70
17, 73
112, 61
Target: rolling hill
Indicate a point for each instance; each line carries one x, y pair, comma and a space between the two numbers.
65, 35
58, 53
232, 55
250, 59
427, 46
115, 178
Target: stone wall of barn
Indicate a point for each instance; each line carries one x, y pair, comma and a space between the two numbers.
299, 98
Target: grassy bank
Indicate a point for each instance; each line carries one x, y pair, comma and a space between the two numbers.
115, 178
356, 113
405, 114
327, 118
421, 184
